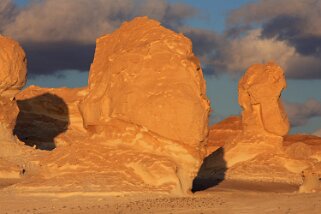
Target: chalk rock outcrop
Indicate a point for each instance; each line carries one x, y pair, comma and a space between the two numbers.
13, 67
13, 70
259, 96
255, 147
122, 158
148, 75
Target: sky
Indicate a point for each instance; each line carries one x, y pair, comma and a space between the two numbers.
228, 36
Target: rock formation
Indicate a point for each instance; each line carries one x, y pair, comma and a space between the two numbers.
148, 75
13, 70
145, 115
13, 67
141, 125
259, 96
255, 146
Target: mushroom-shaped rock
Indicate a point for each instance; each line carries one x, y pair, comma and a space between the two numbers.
148, 75
259, 96
13, 67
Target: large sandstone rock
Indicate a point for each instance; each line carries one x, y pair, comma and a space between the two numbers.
13, 67
259, 96
13, 70
123, 158
148, 75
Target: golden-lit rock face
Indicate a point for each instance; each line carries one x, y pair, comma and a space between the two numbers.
13, 70
13, 67
145, 115
148, 75
255, 147
259, 96
141, 125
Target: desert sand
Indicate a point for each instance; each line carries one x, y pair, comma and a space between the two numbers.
137, 140
225, 198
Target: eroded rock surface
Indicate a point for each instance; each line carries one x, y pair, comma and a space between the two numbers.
13, 70
13, 67
148, 75
140, 126
259, 96
255, 147
121, 158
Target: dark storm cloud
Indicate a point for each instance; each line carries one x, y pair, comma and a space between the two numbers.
206, 45
291, 29
284, 27
59, 35
47, 58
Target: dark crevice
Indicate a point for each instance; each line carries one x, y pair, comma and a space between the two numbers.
212, 171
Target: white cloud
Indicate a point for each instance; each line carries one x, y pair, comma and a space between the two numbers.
83, 21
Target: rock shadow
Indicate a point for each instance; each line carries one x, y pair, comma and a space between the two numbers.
212, 171
40, 120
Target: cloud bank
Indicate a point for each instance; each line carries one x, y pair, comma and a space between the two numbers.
293, 23
60, 34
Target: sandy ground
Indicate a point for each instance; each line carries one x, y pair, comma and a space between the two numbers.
228, 197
